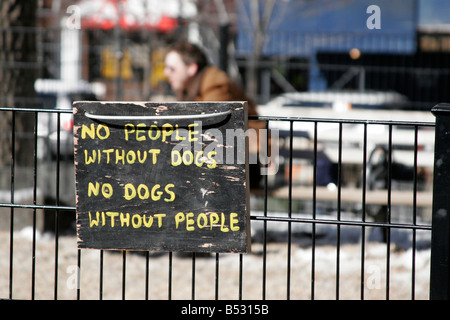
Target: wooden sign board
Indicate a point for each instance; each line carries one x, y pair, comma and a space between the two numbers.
162, 176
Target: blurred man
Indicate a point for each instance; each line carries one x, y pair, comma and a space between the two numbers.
192, 78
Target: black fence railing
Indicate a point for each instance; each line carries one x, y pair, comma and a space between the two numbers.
439, 288
345, 213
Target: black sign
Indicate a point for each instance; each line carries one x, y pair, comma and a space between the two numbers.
162, 176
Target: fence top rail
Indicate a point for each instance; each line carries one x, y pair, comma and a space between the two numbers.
352, 121
24, 109
267, 118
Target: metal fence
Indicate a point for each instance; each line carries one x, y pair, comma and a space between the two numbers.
345, 214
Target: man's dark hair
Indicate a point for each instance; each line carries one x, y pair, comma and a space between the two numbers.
190, 53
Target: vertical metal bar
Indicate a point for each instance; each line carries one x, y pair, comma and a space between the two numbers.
12, 186
79, 276
33, 265
413, 256
58, 172
389, 207
241, 264
314, 209
338, 227
124, 272
147, 274
363, 209
193, 276
265, 226
101, 276
217, 278
170, 276
289, 244
440, 237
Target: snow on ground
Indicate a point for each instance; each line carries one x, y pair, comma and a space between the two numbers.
229, 268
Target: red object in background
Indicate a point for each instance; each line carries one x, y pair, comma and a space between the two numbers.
109, 14
167, 24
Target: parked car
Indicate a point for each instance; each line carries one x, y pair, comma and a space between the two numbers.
342, 100
349, 105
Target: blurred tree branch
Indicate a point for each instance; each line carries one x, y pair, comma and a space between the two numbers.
260, 15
